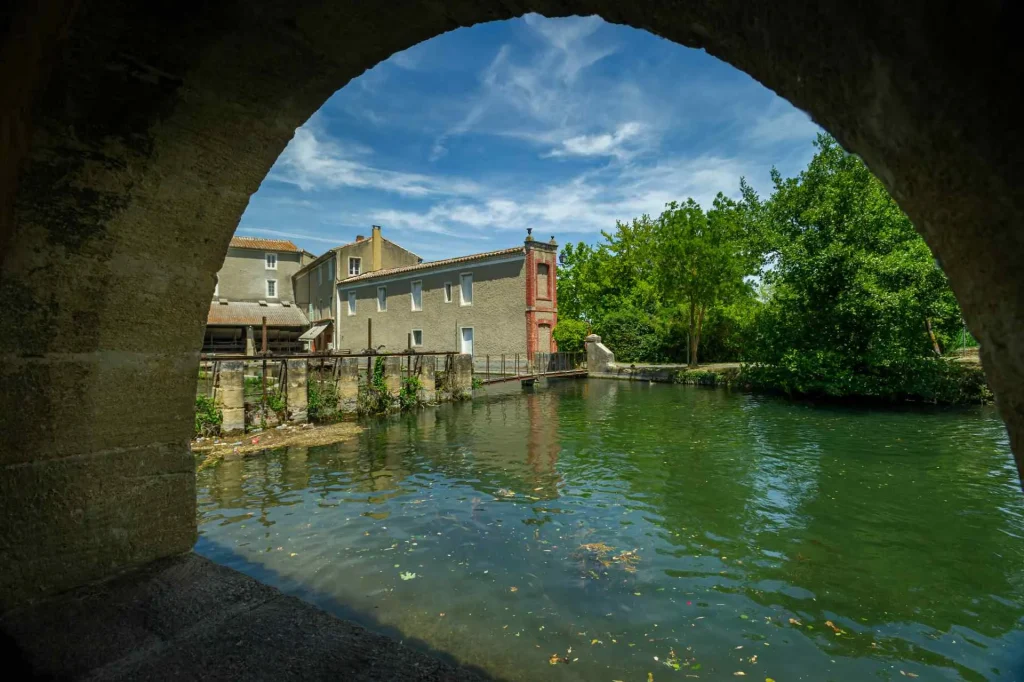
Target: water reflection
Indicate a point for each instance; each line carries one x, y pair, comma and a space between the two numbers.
758, 524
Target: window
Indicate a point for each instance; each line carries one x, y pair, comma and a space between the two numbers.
382, 299
310, 316
417, 295
417, 337
466, 289
447, 292
543, 290
355, 265
320, 274
271, 288
330, 269
351, 303
271, 259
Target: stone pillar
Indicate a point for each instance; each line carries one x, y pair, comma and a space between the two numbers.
427, 372
250, 341
232, 396
347, 386
393, 373
461, 382
297, 388
599, 357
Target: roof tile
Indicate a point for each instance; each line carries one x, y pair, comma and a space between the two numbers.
262, 244
373, 274
246, 313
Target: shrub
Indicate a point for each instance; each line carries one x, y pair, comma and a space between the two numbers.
322, 401
208, 417
570, 335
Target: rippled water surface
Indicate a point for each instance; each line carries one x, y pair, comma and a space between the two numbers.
772, 538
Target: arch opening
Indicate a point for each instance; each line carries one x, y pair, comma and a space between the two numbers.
138, 134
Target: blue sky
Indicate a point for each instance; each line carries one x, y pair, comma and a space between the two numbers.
459, 144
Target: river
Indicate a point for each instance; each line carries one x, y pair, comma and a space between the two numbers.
604, 530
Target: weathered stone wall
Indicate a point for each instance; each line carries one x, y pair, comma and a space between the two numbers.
134, 133
599, 356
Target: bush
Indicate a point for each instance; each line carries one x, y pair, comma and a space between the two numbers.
322, 401
932, 380
570, 335
631, 335
375, 398
208, 417
409, 395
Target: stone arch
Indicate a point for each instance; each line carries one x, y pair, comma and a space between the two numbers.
134, 133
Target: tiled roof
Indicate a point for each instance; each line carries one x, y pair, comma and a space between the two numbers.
433, 264
262, 244
240, 312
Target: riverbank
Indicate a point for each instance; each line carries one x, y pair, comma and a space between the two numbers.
960, 381
210, 451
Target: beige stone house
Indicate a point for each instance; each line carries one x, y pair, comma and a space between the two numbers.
315, 284
256, 281
493, 303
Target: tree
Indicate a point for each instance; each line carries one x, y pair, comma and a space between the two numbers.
857, 303
702, 260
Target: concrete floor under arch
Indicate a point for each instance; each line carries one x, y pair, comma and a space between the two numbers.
134, 133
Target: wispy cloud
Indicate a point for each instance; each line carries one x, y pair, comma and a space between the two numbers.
310, 162
286, 235
781, 123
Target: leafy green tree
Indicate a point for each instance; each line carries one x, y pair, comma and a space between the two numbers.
570, 335
857, 303
701, 260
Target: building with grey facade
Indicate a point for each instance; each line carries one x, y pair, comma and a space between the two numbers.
256, 281
493, 303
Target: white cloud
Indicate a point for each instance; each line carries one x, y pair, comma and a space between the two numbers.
586, 203
310, 162
615, 144
781, 123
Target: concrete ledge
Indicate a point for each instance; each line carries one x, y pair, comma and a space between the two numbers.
188, 618
717, 374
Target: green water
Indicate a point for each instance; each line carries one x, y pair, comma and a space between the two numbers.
755, 522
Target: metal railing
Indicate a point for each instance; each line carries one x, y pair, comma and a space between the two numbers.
493, 368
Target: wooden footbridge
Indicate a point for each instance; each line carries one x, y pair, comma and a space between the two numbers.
528, 369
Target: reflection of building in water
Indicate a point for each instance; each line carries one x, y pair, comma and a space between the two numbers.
542, 444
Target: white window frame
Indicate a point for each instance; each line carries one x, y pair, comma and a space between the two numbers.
270, 260
412, 297
276, 290
358, 262
448, 294
461, 329
382, 308
462, 290
413, 338
350, 296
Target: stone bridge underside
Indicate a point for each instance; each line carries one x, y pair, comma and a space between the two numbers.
133, 133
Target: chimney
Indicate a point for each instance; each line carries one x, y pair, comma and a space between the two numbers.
377, 248
360, 238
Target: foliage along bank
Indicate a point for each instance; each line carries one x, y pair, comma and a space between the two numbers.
823, 288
